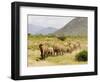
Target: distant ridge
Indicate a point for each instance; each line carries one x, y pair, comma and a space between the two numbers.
46, 31
33, 29
76, 27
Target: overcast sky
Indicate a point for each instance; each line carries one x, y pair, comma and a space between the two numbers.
49, 21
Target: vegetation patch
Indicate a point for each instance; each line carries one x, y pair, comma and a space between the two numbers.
62, 38
82, 56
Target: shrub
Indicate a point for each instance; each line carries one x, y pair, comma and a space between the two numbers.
82, 56
62, 38
50, 36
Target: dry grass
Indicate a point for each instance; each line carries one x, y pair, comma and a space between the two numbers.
66, 59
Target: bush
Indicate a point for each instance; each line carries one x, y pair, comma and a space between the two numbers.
50, 35
82, 56
62, 38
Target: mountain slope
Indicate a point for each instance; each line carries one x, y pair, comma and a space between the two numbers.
77, 26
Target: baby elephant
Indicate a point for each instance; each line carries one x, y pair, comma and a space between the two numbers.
50, 51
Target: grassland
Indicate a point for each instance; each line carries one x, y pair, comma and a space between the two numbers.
66, 59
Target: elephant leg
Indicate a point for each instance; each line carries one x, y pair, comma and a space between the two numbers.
42, 57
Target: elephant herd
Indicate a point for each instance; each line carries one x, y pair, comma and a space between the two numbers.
57, 49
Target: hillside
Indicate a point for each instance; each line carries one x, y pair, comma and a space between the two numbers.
77, 26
